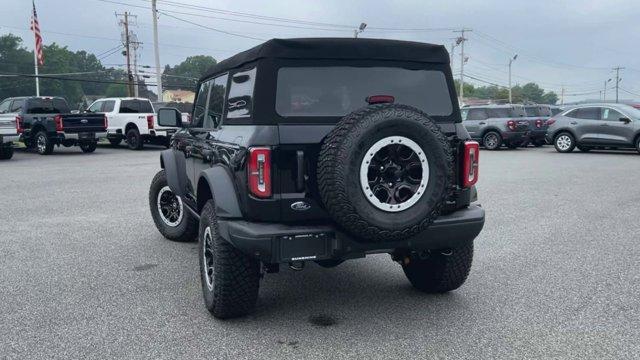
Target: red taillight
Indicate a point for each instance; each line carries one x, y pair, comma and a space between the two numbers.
511, 124
259, 171
470, 163
551, 121
380, 99
19, 125
150, 121
539, 123
58, 120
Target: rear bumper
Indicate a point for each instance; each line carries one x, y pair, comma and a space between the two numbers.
515, 136
280, 243
537, 134
76, 136
8, 138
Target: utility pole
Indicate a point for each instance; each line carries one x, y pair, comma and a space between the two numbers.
156, 50
461, 41
126, 39
604, 97
562, 96
511, 61
617, 69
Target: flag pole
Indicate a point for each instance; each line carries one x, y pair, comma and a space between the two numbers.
35, 63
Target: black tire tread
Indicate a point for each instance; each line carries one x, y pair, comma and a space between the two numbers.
49, 148
191, 229
6, 152
331, 185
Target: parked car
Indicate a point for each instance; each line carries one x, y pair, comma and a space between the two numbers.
592, 126
44, 122
496, 125
8, 129
537, 116
132, 119
376, 160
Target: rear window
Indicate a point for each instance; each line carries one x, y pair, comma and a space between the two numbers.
337, 91
47, 106
135, 107
538, 111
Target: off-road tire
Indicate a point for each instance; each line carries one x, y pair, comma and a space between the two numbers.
186, 230
341, 157
563, 149
134, 140
492, 140
440, 273
48, 147
236, 276
6, 152
88, 147
115, 142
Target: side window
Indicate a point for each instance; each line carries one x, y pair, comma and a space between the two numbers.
215, 105
477, 114
611, 115
129, 107
16, 106
145, 107
572, 114
240, 103
463, 114
108, 105
96, 107
200, 106
4, 106
590, 113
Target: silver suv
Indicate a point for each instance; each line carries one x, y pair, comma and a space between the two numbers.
496, 125
595, 126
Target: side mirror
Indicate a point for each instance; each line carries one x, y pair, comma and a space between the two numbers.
625, 120
169, 117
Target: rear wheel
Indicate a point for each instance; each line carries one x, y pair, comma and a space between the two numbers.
564, 142
134, 140
230, 278
170, 215
492, 140
44, 145
6, 152
441, 271
89, 147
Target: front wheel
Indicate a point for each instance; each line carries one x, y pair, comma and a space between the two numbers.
564, 142
44, 145
230, 278
440, 272
492, 140
6, 152
89, 147
170, 215
134, 140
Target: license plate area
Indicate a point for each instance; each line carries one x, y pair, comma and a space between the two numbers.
305, 247
86, 136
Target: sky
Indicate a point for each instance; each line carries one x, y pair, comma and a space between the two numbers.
560, 44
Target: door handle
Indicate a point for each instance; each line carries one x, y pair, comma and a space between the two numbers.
574, 123
482, 123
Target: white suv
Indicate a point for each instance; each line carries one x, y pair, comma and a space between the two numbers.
134, 120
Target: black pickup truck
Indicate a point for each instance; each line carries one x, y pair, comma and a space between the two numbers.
43, 122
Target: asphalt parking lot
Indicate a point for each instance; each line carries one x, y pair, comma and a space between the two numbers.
85, 274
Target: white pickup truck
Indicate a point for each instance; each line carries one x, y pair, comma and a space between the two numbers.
8, 128
134, 120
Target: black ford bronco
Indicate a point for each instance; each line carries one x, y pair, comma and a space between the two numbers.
321, 150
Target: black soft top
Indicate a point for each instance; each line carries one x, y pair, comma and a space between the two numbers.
336, 48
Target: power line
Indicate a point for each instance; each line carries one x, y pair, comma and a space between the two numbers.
210, 28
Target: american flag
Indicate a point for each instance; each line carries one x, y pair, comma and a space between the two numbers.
35, 27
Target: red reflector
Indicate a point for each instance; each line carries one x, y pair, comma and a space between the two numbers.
539, 123
259, 172
58, 120
150, 121
380, 99
551, 121
19, 125
470, 163
511, 124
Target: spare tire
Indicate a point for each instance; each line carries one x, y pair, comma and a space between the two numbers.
384, 172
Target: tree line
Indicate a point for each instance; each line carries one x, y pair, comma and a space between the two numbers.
83, 74
529, 92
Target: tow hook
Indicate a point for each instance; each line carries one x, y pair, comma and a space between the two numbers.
296, 265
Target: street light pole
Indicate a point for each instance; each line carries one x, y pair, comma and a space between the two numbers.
604, 98
359, 30
510, 62
156, 51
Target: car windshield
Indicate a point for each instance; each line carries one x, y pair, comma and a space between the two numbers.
337, 91
47, 106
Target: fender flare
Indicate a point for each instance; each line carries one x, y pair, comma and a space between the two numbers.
175, 168
221, 186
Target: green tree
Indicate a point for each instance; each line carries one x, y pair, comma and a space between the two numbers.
116, 90
185, 74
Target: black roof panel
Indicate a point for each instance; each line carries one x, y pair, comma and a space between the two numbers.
336, 48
